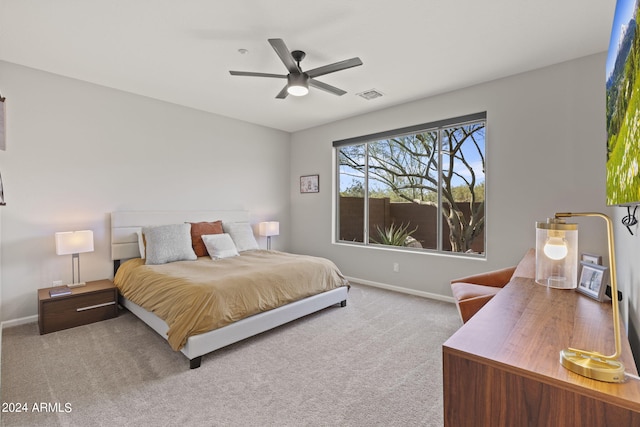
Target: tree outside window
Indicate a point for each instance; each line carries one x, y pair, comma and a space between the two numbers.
421, 187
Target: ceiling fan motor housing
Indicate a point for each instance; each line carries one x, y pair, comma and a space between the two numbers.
298, 56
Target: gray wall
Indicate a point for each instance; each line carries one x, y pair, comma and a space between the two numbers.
628, 263
77, 151
545, 153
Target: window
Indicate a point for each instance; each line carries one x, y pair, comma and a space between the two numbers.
419, 188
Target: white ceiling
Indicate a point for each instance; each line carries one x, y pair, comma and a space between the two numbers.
181, 51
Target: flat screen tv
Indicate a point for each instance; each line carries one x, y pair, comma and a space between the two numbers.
623, 107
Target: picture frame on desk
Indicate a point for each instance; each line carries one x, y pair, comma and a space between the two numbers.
593, 280
592, 258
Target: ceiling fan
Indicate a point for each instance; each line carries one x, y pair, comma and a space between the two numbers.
298, 81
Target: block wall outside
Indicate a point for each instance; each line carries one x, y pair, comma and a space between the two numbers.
384, 213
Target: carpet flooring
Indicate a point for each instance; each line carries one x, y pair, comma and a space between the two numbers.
375, 362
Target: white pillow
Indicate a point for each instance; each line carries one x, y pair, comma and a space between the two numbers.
242, 235
219, 245
168, 243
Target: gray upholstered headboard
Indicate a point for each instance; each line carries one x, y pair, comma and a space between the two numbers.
125, 226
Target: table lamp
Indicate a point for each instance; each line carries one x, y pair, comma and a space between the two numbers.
269, 228
74, 243
592, 364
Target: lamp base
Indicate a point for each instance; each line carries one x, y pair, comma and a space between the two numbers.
76, 285
611, 371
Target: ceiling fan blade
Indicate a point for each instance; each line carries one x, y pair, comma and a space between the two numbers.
328, 88
332, 68
285, 56
252, 74
283, 93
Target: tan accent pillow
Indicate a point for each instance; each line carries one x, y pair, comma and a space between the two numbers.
198, 229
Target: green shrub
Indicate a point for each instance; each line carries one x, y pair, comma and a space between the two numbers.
393, 235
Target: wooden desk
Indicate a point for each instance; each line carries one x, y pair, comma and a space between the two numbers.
502, 368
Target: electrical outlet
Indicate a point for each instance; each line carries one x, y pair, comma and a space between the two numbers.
57, 283
396, 267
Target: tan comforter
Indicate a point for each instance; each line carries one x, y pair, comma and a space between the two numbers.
193, 297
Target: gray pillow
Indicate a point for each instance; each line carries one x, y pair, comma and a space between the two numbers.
168, 243
241, 234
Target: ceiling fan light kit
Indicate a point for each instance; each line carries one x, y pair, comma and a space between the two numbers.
298, 81
298, 84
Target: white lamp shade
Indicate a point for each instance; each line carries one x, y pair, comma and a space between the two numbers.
269, 228
74, 242
297, 90
298, 84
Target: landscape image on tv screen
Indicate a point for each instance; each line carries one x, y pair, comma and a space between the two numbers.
623, 107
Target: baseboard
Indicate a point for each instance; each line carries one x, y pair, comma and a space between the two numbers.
34, 318
402, 290
20, 321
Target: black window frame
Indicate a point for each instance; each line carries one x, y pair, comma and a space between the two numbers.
438, 125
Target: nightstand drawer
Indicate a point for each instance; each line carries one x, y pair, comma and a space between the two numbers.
80, 308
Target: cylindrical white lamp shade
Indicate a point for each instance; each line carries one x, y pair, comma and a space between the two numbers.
74, 242
557, 254
269, 228
298, 84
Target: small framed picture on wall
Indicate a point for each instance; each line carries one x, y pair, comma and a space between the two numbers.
310, 184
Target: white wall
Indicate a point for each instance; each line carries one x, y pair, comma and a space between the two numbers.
628, 263
77, 151
0, 298
545, 153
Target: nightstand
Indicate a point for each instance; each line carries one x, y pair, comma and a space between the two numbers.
96, 301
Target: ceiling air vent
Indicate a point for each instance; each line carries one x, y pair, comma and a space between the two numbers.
370, 94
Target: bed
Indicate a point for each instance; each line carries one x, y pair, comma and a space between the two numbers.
208, 333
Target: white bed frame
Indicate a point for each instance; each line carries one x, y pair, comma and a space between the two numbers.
124, 245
